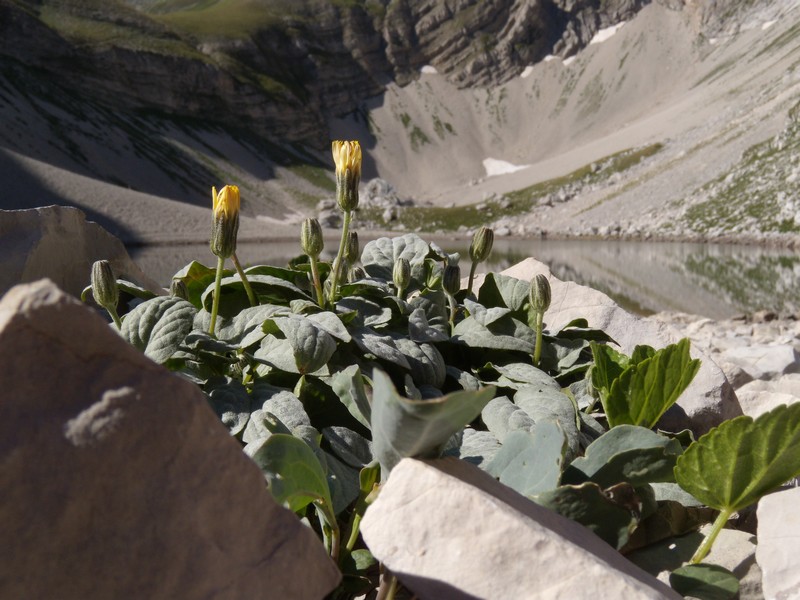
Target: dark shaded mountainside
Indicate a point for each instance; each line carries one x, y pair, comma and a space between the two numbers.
121, 107
284, 67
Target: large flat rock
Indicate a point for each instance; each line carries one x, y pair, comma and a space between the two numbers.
707, 402
120, 482
778, 552
449, 530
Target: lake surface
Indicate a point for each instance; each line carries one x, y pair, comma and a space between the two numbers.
716, 281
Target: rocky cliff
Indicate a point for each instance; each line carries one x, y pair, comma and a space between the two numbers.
285, 68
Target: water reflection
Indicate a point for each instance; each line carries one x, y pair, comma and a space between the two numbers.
717, 281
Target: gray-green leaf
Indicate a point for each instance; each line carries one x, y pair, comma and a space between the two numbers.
705, 582
157, 327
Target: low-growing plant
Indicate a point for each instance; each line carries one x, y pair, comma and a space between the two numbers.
329, 374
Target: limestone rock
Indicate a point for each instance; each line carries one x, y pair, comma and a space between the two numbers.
765, 361
778, 552
58, 242
118, 479
449, 530
709, 399
758, 397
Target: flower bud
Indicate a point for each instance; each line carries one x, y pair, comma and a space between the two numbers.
226, 221
351, 250
401, 274
356, 274
481, 245
311, 238
178, 289
540, 293
347, 158
104, 284
451, 279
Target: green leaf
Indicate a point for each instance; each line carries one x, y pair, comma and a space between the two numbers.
608, 366
433, 324
485, 316
644, 391
369, 313
379, 256
348, 385
244, 329
382, 346
417, 428
472, 333
312, 346
294, 475
501, 417
477, 447
157, 327
421, 330
735, 464
592, 507
426, 362
501, 290
197, 278
626, 453
269, 289
543, 403
705, 582
231, 402
352, 448
530, 463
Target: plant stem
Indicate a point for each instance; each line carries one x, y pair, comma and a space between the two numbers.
453, 308
537, 351
354, 529
337, 264
472, 269
317, 283
215, 301
718, 526
250, 295
112, 310
388, 586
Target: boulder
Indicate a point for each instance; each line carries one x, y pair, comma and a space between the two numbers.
778, 552
707, 402
57, 242
449, 530
118, 479
758, 397
765, 361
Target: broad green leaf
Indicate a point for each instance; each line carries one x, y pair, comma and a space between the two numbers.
464, 379
157, 327
379, 256
425, 361
231, 402
294, 475
197, 278
542, 402
485, 316
420, 329
351, 447
285, 406
125, 286
477, 447
312, 346
501, 417
608, 366
705, 582
369, 313
644, 391
330, 323
626, 453
417, 428
267, 288
382, 346
279, 354
670, 519
262, 425
606, 512
244, 329
472, 333
527, 374
501, 290
735, 464
530, 463
348, 384
342, 481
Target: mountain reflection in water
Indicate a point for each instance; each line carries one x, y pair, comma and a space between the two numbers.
711, 280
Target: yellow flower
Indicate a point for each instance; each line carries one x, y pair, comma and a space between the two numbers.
227, 201
226, 221
347, 158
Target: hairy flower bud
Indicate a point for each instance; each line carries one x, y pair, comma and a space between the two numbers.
481, 245
178, 289
351, 249
311, 238
451, 279
226, 221
540, 293
347, 158
401, 273
104, 284
356, 274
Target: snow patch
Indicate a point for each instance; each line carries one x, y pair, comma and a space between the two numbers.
527, 72
767, 25
603, 34
428, 70
569, 61
494, 166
